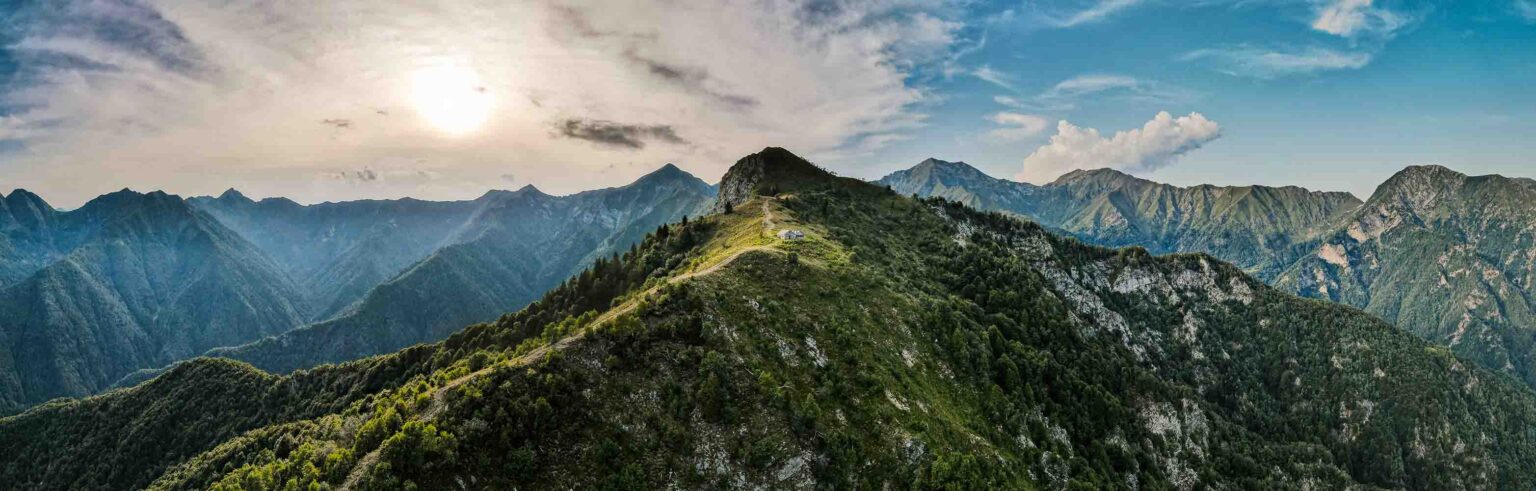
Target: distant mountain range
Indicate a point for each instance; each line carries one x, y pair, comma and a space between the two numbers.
1443, 255
1259, 228
132, 281
127, 281
509, 250
898, 344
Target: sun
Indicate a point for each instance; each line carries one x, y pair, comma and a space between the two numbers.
451, 98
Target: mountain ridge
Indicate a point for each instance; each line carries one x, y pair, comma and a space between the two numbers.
139, 280
1444, 255
900, 342
1408, 253
135, 262
1257, 227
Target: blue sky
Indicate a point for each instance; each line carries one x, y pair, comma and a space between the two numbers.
353, 99
1449, 85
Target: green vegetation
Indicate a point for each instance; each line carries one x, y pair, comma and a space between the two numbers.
242, 413
109, 294
1261, 229
1445, 256
1449, 257
913, 344
129, 281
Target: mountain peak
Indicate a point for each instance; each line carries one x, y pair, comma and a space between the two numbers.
773, 169
528, 190
1100, 174
232, 194
671, 175
928, 174
668, 171
1428, 170
126, 200
933, 162
1103, 178
946, 167
1418, 186
22, 197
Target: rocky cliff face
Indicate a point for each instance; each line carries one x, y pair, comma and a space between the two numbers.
1444, 255
765, 172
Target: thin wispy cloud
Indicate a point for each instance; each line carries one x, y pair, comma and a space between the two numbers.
1014, 126
1095, 11
1157, 144
1264, 63
1069, 93
994, 77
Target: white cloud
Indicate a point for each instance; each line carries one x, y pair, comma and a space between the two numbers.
194, 97
1016, 126
1248, 61
994, 77
1349, 18
1155, 145
1096, 11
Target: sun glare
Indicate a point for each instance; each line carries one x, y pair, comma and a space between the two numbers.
451, 98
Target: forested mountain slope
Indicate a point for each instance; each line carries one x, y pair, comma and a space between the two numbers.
26, 235
1256, 227
902, 343
111, 292
140, 280
513, 247
1443, 255
339, 251
1449, 257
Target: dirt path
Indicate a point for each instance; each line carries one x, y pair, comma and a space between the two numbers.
440, 395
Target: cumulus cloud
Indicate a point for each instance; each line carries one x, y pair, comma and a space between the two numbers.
1350, 18
195, 97
1015, 126
1155, 145
1264, 63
